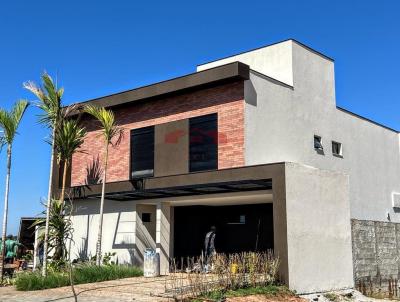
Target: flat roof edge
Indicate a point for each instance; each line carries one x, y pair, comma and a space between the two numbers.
366, 119
220, 74
268, 45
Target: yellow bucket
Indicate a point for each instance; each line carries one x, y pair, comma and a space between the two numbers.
234, 268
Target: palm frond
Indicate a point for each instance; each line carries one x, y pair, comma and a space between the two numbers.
68, 139
9, 121
60, 229
110, 130
49, 99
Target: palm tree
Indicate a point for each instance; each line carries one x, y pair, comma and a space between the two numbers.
9, 122
112, 135
60, 229
49, 97
68, 138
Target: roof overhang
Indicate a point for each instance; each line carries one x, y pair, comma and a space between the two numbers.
191, 190
242, 179
211, 77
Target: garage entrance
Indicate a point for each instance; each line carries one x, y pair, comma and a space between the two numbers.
240, 228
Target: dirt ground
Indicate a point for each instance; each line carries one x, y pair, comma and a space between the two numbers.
261, 298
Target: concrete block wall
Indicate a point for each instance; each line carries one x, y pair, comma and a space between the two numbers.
375, 250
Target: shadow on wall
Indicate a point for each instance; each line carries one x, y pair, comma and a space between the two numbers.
94, 175
94, 172
83, 249
250, 94
123, 232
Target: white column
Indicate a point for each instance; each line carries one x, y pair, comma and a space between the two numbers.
163, 231
35, 249
134, 225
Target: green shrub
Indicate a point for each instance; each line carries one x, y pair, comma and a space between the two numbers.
81, 274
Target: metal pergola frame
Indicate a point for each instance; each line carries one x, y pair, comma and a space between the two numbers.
190, 190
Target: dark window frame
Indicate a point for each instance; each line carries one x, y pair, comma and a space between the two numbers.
340, 149
318, 142
213, 117
141, 173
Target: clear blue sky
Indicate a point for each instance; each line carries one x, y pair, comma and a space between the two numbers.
101, 47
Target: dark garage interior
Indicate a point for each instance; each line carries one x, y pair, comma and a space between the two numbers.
240, 228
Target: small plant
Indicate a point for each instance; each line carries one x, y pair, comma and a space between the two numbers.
107, 258
28, 256
332, 297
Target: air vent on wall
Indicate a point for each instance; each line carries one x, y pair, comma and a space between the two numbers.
396, 200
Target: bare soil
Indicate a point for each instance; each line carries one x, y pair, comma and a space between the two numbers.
262, 298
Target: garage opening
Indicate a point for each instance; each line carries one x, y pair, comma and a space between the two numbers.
240, 228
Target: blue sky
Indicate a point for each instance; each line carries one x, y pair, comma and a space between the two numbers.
100, 47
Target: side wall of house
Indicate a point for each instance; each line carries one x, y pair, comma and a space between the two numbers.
281, 123
280, 126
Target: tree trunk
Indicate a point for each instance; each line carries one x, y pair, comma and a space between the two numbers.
103, 191
3, 235
64, 181
59, 252
71, 276
49, 197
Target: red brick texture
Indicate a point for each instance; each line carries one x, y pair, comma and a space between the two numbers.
226, 100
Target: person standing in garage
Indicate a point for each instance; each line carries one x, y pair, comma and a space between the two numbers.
209, 247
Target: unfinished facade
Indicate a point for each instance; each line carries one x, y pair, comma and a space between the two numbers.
255, 145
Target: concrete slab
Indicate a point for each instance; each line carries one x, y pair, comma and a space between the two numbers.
130, 289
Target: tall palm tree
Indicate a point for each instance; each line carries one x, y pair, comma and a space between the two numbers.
112, 135
68, 138
9, 122
49, 100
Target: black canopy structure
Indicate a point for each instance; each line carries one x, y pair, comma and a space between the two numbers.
189, 190
26, 234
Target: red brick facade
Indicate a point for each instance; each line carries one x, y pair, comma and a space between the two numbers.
226, 100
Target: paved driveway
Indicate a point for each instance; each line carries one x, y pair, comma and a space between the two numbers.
130, 289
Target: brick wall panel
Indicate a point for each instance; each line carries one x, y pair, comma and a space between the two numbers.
226, 100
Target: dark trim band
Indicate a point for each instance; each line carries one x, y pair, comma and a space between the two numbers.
214, 76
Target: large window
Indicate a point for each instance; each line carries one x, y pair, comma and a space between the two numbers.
142, 152
203, 143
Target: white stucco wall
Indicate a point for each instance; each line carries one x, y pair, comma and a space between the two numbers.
274, 61
318, 229
124, 232
118, 229
282, 121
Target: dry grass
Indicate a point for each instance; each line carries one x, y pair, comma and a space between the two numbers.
228, 272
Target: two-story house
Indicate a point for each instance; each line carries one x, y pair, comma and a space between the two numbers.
255, 145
